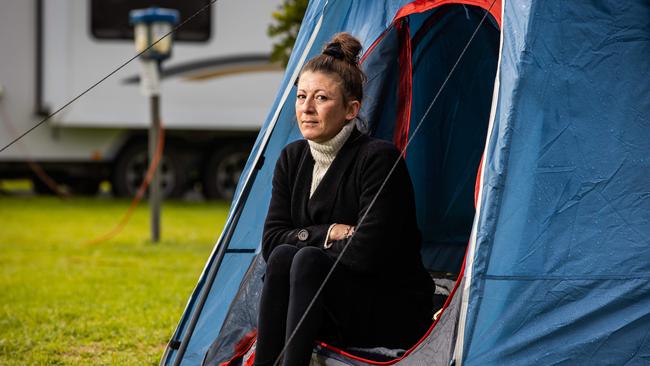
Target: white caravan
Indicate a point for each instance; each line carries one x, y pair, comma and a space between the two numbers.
216, 91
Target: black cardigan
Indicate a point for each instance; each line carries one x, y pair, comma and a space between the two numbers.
387, 243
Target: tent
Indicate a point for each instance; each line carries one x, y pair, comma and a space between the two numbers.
551, 100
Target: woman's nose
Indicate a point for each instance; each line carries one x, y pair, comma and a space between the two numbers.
307, 106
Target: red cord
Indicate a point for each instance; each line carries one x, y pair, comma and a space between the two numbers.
153, 164
33, 166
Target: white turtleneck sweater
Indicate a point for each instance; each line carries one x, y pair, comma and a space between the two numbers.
324, 154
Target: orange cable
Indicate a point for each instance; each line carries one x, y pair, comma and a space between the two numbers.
153, 164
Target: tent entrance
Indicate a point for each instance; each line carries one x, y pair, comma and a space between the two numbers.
406, 69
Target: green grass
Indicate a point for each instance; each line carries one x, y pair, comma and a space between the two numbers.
15, 185
66, 302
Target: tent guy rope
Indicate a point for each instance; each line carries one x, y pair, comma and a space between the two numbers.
107, 76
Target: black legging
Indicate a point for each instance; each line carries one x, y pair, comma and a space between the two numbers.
291, 281
353, 310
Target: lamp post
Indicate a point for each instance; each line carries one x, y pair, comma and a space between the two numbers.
150, 25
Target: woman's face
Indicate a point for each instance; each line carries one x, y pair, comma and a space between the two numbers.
320, 109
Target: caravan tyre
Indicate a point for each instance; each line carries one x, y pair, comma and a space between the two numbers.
131, 166
222, 171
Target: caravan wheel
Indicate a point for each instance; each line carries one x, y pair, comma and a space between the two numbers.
131, 166
222, 171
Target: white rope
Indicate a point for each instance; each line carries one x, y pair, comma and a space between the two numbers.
107, 76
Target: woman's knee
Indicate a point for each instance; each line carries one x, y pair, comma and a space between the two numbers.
280, 260
310, 263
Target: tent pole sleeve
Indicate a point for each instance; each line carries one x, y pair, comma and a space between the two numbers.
471, 250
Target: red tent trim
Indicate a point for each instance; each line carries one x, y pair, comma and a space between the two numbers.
405, 92
410, 350
478, 181
420, 6
373, 45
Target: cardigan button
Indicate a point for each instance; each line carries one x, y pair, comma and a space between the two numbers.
303, 235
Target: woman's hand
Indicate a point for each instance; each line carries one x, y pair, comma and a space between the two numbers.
340, 232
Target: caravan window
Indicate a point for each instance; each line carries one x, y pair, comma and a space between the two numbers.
109, 19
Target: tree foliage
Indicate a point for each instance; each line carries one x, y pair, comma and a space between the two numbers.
285, 26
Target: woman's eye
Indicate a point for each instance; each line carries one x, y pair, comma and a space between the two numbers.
321, 98
301, 96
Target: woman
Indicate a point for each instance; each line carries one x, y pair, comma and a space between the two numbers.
379, 294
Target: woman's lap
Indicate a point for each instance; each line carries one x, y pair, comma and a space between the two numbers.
360, 310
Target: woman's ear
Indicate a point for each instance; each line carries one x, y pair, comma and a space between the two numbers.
353, 110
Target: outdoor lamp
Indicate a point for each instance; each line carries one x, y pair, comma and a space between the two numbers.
150, 25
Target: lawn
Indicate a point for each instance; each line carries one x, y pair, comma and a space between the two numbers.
66, 302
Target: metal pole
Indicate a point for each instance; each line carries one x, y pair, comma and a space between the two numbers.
150, 27
154, 187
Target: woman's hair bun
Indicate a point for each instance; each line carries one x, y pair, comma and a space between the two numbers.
343, 46
340, 57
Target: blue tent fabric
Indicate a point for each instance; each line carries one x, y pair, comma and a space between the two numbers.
558, 272
561, 274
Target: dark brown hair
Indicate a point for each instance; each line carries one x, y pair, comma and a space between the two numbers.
340, 57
